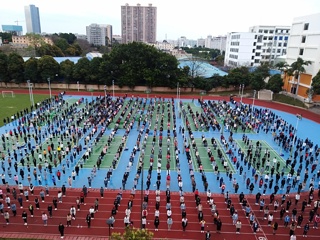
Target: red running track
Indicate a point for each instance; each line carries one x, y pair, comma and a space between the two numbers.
99, 228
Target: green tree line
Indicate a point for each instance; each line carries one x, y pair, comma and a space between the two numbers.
133, 64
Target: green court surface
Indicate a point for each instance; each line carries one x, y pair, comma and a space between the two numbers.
108, 158
265, 146
203, 152
11, 105
156, 152
161, 112
190, 119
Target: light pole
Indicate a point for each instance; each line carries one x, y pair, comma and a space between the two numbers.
113, 89
239, 89
147, 92
254, 97
105, 95
299, 117
49, 87
242, 87
78, 86
30, 85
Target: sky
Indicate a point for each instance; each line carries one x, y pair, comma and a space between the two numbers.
176, 18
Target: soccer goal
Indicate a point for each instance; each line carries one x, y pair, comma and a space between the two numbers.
7, 94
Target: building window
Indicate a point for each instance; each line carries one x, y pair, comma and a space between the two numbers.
280, 38
303, 39
285, 44
306, 26
301, 51
270, 38
265, 31
257, 54
278, 50
253, 50
260, 31
254, 44
286, 38
279, 44
271, 31
256, 61
275, 37
258, 47
252, 57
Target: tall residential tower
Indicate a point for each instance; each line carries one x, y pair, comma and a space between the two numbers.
138, 23
32, 19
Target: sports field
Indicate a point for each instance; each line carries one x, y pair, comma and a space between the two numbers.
11, 105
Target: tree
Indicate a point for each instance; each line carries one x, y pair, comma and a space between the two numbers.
6, 37
220, 60
69, 37
31, 70
4, 77
95, 71
16, 67
275, 83
48, 67
133, 234
237, 76
316, 83
81, 70
66, 70
297, 67
62, 44
257, 81
282, 66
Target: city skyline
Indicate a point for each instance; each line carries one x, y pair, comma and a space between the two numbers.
174, 19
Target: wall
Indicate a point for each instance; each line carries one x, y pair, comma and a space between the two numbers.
100, 88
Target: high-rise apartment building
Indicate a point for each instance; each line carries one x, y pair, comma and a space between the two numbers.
32, 19
262, 44
99, 34
138, 23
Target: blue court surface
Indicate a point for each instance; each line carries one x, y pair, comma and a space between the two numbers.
121, 134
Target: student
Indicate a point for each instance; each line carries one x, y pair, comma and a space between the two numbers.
6, 216
275, 228
208, 235
169, 222
305, 230
61, 230
238, 226
184, 223
24, 217
156, 223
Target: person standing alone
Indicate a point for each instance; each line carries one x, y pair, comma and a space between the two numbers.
61, 230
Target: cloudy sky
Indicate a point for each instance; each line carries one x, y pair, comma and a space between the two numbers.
192, 19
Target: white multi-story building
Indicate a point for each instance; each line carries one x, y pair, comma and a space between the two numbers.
219, 43
239, 49
163, 46
81, 36
267, 44
304, 42
274, 40
201, 42
99, 34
